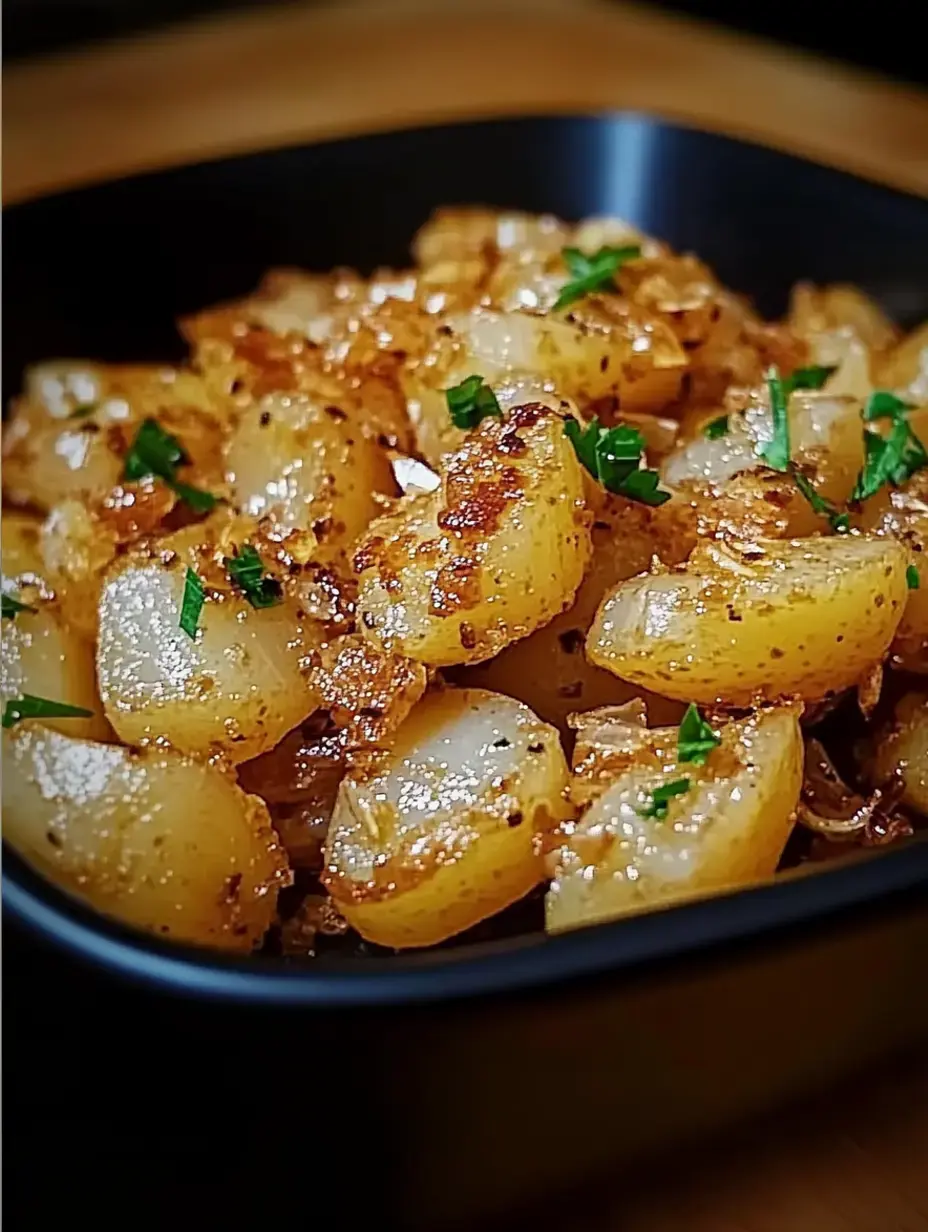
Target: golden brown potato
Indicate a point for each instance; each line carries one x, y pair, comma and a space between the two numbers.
900, 749
821, 314
826, 444
307, 465
804, 617
154, 839
500, 549
69, 433
238, 686
725, 827
442, 834
366, 691
40, 655
437, 436
903, 513
77, 548
599, 347
905, 367
548, 671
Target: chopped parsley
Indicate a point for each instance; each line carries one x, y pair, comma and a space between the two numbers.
716, 428
883, 405
912, 579
471, 401
13, 606
891, 459
659, 803
592, 273
775, 452
192, 604
810, 378
156, 452
247, 572
838, 520
29, 707
695, 739
612, 456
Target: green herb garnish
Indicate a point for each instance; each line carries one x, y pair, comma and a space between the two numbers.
809, 378
912, 579
156, 452
192, 604
470, 402
884, 405
659, 803
593, 273
695, 739
247, 572
716, 428
892, 459
612, 456
29, 707
839, 520
776, 451
12, 606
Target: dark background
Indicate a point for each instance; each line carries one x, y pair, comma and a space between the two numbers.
884, 38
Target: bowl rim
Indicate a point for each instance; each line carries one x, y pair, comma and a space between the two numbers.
509, 965
771, 910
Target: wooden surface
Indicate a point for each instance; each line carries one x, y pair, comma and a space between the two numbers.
857, 1162
244, 80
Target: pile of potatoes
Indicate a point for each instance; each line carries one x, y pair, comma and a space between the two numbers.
468, 673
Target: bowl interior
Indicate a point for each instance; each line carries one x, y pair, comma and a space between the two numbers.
105, 271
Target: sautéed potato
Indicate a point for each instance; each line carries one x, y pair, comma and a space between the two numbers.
545, 572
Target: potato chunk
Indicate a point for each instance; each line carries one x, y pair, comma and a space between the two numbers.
308, 466
152, 838
498, 550
69, 433
39, 654
239, 685
442, 835
548, 671
826, 445
901, 748
727, 829
802, 617
903, 514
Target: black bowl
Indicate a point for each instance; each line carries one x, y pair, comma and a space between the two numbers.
435, 1080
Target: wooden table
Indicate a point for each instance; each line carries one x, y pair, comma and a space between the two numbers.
854, 1163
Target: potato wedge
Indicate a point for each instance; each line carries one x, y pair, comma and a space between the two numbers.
826, 444
802, 617
905, 367
726, 830
77, 548
69, 433
903, 513
442, 835
900, 748
238, 686
497, 551
39, 654
307, 465
601, 347
819, 312
548, 670
156, 840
